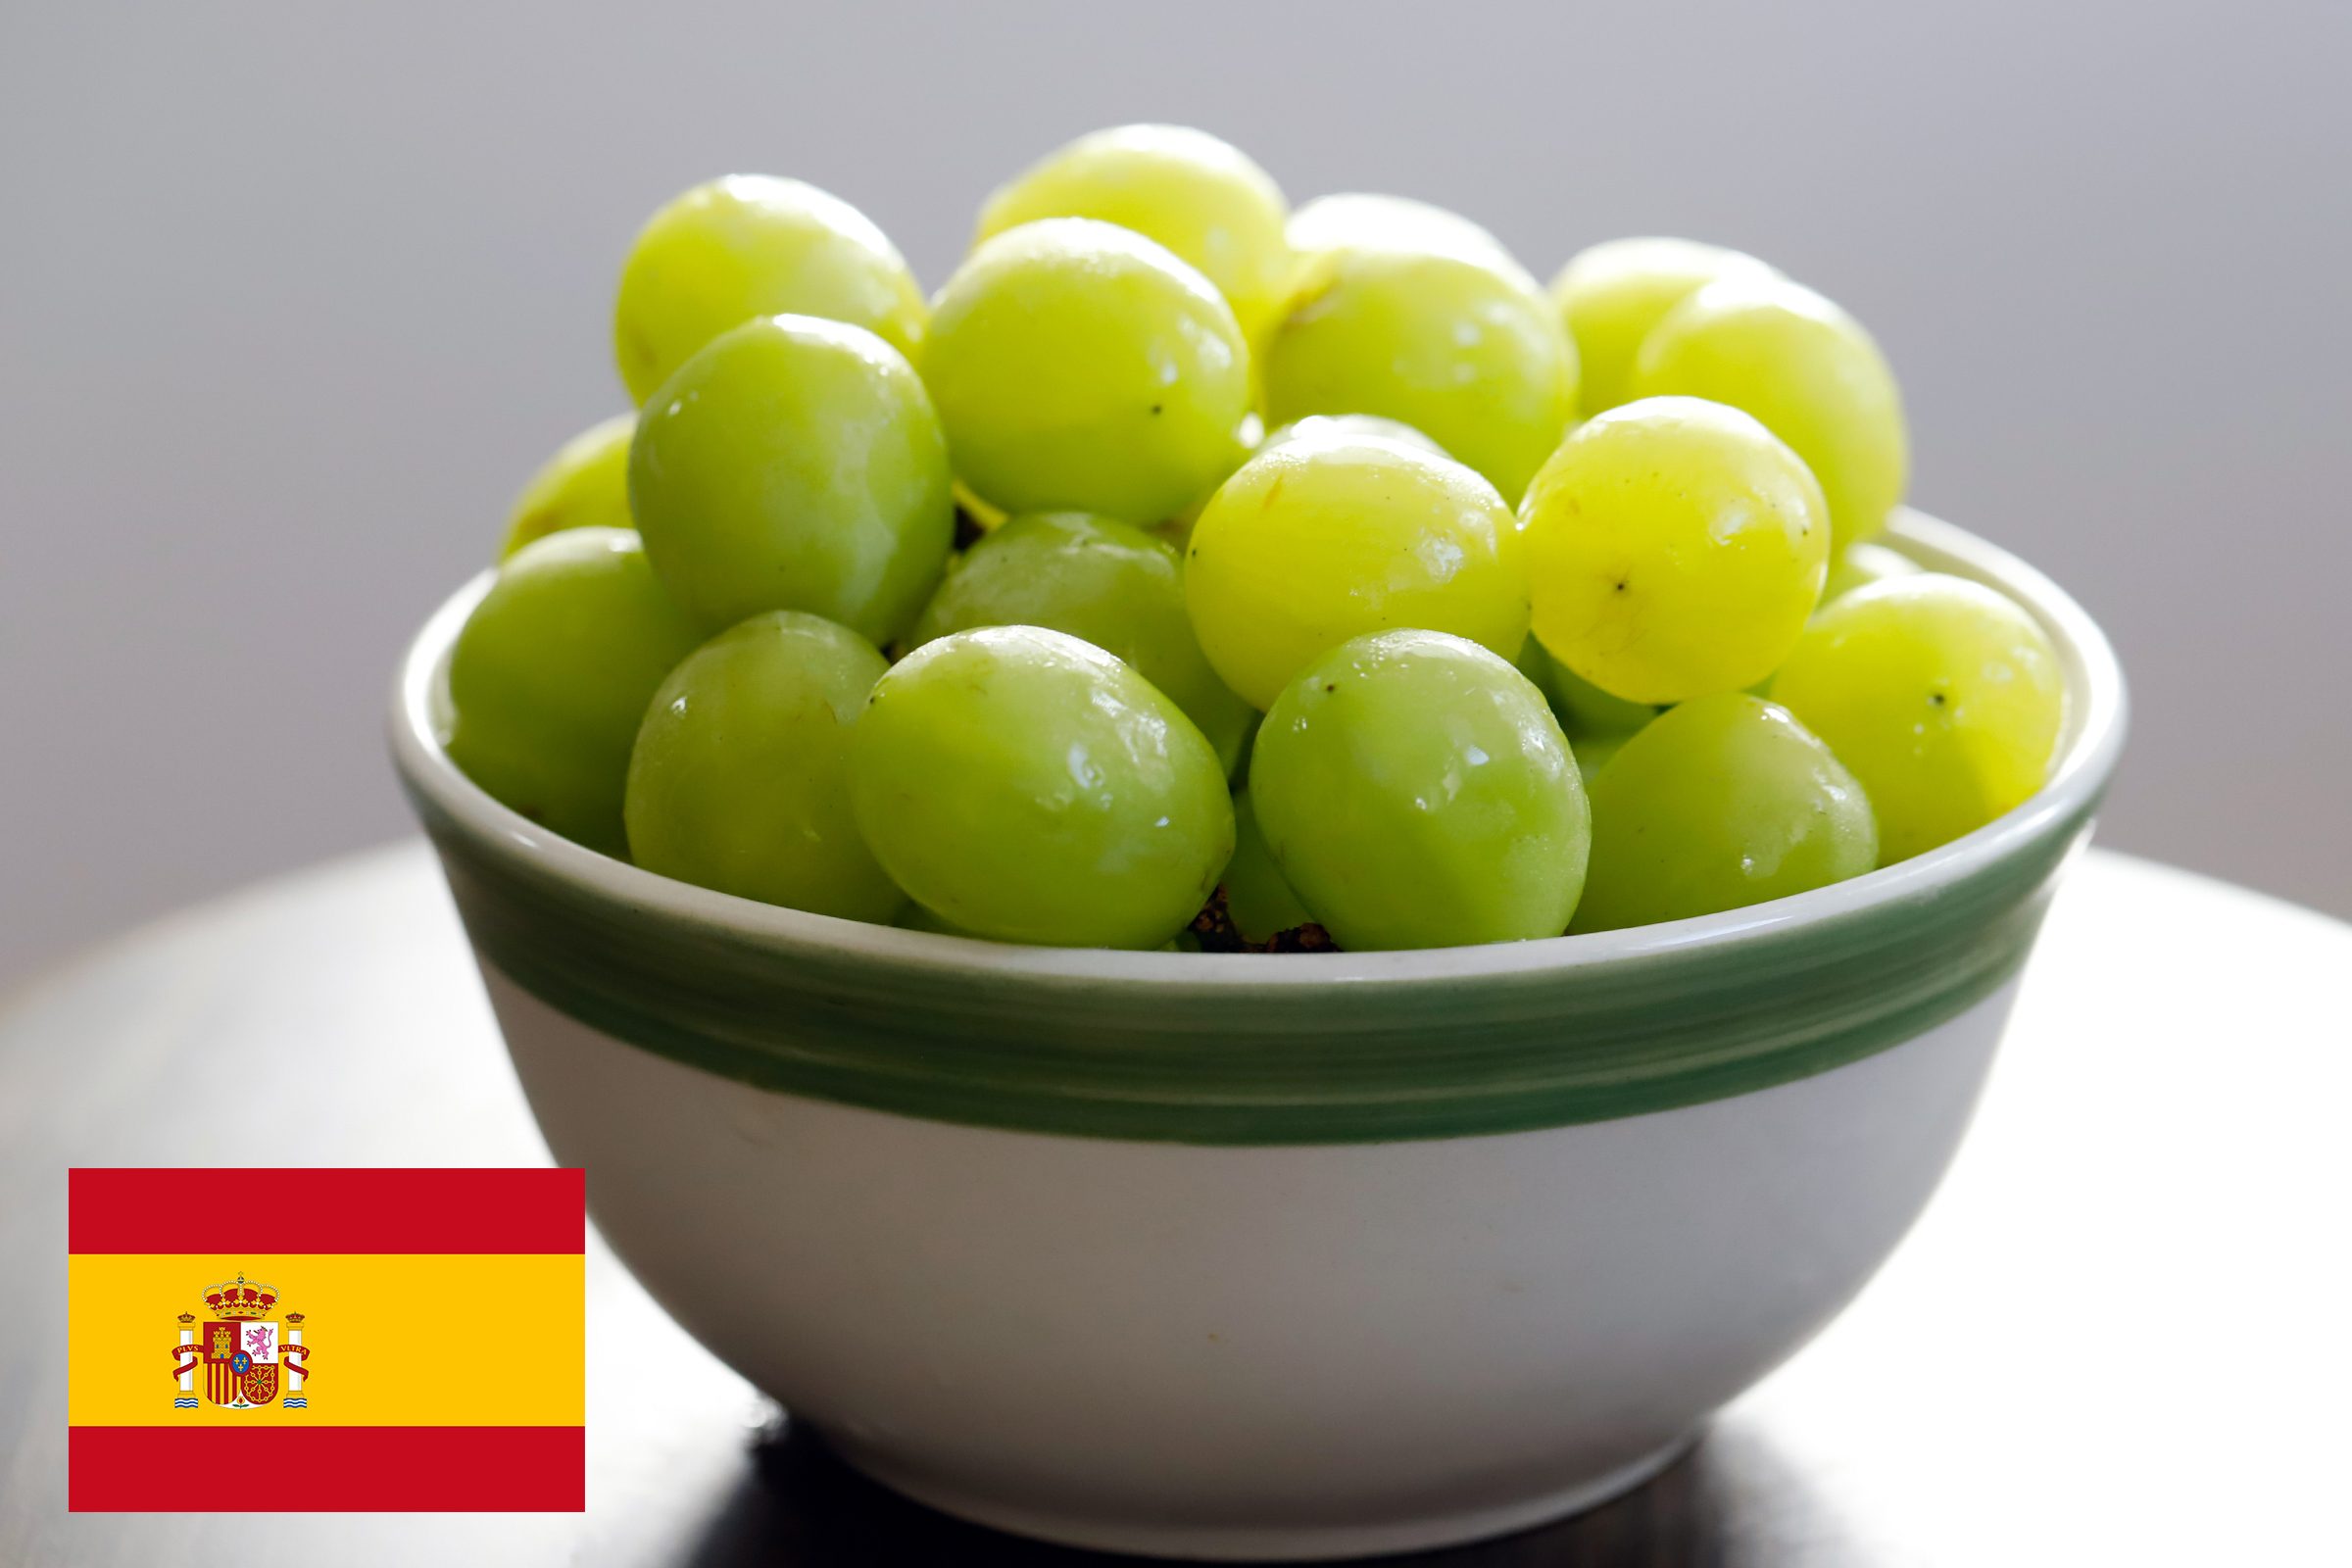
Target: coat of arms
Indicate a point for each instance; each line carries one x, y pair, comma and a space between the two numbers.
242, 1350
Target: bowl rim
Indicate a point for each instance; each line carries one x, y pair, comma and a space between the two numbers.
2093, 742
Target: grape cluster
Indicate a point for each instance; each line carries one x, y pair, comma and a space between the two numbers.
1189, 571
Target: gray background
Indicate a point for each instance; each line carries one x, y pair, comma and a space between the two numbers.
293, 297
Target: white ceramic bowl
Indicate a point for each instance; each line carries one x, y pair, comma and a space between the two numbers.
1249, 1255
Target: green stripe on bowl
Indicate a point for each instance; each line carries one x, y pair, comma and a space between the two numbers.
1368, 1058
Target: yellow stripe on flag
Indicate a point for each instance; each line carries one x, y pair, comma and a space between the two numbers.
396, 1338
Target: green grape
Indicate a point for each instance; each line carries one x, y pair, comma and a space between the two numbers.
1593, 754
1262, 905
1331, 535
1861, 563
748, 246
1417, 792
1079, 367
1027, 786
1351, 424
584, 485
1177, 531
795, 464
1720, 803
1457, 348
1200, 197
915, 917
738, 780
1582, 707
1109, 582
1804, 367
1241, 774
1944, 699
551, 674
1675, 548
1361, 220
1611, 294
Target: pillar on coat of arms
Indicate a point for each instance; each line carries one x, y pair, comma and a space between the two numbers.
294, 1399
185, 1400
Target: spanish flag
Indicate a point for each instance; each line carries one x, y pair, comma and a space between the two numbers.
329, 1340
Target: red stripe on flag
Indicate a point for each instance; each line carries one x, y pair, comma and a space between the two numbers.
327, 1469
344, 1210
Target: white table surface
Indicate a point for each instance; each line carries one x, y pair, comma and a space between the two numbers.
2119, 1336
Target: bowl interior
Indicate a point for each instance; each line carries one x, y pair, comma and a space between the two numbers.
2090, 744
1255, 1047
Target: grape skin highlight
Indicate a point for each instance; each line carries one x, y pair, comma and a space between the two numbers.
795, 464
1351, 424
1611, 295
1417, 792
1716, 805
1365, 220
1105, 581
551, 674
1027, 786
1330, 535
1078, 366
1674, 548
747, 246
738, 780
1803, 367
1459, 349
1944, 699
1321, 563
1200, 197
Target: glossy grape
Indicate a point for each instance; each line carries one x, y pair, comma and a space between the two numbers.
1109, 582
1593, 754
1079, 367
1804, 367
1026, 785
1582, 707
1261, 902
1200, 197
739, 777
1944, 699
584, 485
1417, 792
1611, 295
1351, 424
1861, 563
747, 246
795, 464
1458, 349
1331, 535
1363, 221
1674, 548
1718, 803
551, 674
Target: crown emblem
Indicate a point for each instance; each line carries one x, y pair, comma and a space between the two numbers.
248, 1354
239, 1300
